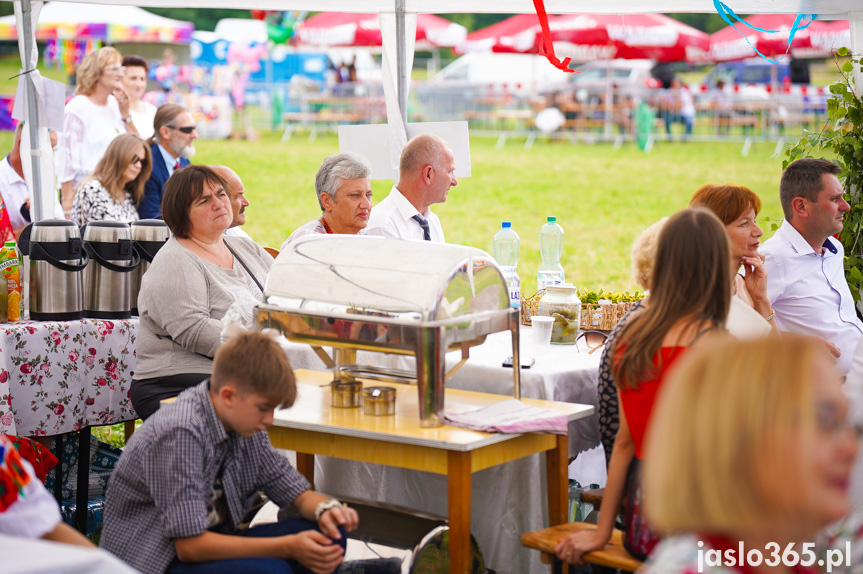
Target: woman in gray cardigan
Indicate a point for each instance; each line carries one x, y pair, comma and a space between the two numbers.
193, 280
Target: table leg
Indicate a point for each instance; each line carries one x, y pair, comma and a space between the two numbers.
306, 466
83, 487
458, 483
128, 430
557, 476
58, 470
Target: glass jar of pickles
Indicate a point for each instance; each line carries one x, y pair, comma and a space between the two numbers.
562, 303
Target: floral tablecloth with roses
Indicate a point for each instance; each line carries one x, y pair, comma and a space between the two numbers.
57, 377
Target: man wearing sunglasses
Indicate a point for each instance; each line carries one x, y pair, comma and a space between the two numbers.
172, 145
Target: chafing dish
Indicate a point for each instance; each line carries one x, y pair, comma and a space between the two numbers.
416, 298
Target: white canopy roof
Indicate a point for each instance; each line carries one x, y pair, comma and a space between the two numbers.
820, 7
123, 13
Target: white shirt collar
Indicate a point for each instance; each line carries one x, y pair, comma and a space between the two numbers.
14, 174
405, 208
799, 243
170, 161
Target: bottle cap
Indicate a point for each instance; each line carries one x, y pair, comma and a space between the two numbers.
9, 244
506, 225
552, 219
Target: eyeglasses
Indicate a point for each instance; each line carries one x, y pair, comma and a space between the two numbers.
135, 159
184, 129
593, 339
116, 68
828, 421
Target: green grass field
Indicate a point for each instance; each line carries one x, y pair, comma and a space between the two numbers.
602, 198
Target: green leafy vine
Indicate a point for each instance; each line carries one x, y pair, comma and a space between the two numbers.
842, 135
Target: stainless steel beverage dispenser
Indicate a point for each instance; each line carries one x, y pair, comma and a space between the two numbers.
417, 298
148, 236
57, 262
108, 277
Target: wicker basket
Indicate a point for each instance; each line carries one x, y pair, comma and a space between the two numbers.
603, 317
530, 306
593, 316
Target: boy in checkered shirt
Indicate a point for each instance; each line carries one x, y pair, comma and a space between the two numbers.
191, 472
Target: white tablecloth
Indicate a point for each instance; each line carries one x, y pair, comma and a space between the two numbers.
507, 500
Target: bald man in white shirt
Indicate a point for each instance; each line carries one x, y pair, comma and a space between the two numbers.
239, 203
426, 174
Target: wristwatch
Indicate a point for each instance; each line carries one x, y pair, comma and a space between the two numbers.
127, 120
326, 505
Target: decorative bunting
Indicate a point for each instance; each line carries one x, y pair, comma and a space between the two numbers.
725, 12
546, 47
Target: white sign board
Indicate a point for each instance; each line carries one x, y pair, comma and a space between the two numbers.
51, 114
372, 142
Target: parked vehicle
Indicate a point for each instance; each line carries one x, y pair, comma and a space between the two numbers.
759, 71
489, 68
632, 77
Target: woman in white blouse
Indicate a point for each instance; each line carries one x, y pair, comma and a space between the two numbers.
115, 188
97, 114
135, 82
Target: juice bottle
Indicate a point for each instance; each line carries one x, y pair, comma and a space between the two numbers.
4, 309
10, 265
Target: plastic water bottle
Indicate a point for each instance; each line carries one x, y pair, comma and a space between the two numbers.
550, 248
505, 246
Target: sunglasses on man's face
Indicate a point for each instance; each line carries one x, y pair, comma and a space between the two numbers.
184, 129
593, 339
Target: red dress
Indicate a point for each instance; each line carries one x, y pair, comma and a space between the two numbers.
638, 403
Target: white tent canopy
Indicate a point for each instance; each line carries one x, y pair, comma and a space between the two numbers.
820, 7
123, 13
398, 22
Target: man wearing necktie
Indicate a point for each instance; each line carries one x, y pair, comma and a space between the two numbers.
172, 145
426, 173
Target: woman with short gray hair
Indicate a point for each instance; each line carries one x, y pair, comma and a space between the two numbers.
344, 193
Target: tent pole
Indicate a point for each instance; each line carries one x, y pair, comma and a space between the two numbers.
401, 61
32, 115
855, 20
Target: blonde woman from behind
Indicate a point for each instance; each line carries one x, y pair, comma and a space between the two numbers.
749, 446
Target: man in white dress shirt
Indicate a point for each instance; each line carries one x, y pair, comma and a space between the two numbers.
15, 191
239, 203
426, 172
804, 262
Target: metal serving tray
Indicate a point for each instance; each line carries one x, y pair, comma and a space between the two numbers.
417, 298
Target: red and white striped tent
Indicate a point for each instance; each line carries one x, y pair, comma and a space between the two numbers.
515, 34
351, 29
631, 36
820, 39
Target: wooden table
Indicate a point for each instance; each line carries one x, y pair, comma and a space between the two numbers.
311, 427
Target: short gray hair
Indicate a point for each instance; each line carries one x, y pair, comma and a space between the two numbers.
338, 168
